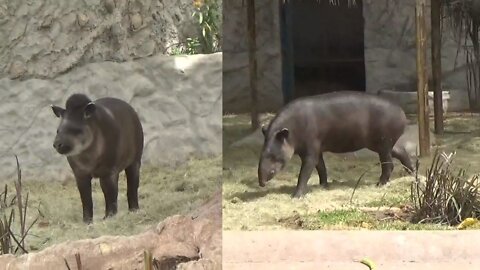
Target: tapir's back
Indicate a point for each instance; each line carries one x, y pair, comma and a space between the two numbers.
342, 121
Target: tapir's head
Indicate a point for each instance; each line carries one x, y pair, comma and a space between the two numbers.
74, 134
276, 152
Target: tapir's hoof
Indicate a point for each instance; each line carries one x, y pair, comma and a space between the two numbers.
133, 209
325, 186
109, 214
381, 184
298, 195
88, 221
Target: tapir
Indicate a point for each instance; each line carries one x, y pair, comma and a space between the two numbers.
336, 122
100, 139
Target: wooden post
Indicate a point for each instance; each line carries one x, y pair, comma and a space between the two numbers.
422, 82
435, 14
252, 57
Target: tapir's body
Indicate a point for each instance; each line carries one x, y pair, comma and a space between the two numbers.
337, 122
101, 139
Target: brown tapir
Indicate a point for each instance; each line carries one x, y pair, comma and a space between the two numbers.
337, 122
100, 139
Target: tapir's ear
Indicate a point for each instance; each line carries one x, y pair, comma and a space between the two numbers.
282, 134
264, 130
89, 110
57, 111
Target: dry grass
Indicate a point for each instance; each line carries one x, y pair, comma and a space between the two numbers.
248, 207
162, 193
446, 196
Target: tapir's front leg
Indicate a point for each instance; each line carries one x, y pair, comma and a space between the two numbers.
84, 185
308, 164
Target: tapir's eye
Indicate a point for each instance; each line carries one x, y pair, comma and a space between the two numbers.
57, 131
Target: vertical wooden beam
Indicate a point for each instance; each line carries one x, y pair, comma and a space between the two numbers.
422, 82
435, 13
252, 57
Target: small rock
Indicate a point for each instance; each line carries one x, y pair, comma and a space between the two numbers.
180, 187
47, 22
109, 5
117, 30
235, 200
136, 21
105, 248
82, 19
17, 69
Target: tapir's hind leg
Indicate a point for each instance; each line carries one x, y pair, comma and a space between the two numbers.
109, 185
401, 154
133, 179
387, 166
322, 171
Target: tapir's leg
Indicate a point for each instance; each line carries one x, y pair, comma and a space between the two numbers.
322, 171
109, 186
387, 166
308, 164
401, 154
133, 179
84, 185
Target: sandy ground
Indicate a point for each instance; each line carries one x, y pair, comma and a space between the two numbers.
344, 249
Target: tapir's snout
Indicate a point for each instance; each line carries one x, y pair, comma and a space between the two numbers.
264, 176
62, 146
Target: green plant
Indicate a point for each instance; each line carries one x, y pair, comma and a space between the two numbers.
208, 15
192, 46
446, 197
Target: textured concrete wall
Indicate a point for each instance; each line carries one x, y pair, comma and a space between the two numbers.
236, 86
178, 100
390, 48
389, 52
44, 38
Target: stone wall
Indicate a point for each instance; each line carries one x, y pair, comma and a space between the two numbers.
389, 53
44, 38
50, 49
178, 99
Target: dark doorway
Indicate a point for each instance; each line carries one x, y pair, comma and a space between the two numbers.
323, 46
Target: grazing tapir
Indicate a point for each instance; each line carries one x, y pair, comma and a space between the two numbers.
100, 139
337, 122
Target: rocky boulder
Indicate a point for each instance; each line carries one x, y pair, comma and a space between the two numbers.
190, 242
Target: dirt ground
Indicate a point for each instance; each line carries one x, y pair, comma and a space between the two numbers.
246, 206
163, 192
343, 250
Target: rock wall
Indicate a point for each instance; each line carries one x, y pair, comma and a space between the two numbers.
44, 38
389, 52
178, 99
190, 242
